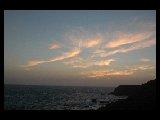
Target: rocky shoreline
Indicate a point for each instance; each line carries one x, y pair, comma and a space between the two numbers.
140, 97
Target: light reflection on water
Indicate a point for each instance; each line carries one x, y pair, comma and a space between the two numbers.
19, 97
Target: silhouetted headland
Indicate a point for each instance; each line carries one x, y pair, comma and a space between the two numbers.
140, 97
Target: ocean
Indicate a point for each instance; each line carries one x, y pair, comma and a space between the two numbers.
36, 97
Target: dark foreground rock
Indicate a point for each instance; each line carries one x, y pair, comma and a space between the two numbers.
140, 97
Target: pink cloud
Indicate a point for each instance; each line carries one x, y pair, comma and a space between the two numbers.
127, 39
54, 46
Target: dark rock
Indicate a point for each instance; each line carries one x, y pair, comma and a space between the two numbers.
126, 90
141, 97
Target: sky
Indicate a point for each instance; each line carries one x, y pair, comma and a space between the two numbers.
79, 47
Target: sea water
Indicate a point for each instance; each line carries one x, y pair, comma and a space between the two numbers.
36, 97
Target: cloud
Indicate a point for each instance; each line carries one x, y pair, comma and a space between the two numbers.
124, 39
135, 42
139, 45
89, 43
147, 67
106, 54
125, 72
105, 73
69, 54
54, 46
97, 51
34, 63
104, 62
78, 62
82, 63
144, 60
72, 53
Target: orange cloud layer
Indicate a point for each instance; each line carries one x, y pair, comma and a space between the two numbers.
69, 54
125, 72
109, 73
127, 39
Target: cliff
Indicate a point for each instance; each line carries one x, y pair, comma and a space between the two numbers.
141, 97
126, 90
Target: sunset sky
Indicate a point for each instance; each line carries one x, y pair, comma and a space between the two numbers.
79, 47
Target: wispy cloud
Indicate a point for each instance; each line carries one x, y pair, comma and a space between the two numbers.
103, 62
81, 63
33, 63
88, 43
144, 60
78, 62
140, 45
69, 54
124, 39
104, 73
123, 72
97, 51
54, 46
91, 42
133, 42
147, 67
136, 46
